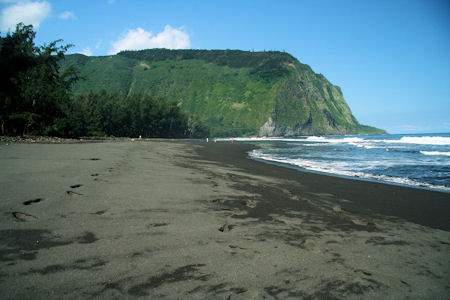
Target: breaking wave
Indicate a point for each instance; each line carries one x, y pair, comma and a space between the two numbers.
435, 153
413, 160
339, 169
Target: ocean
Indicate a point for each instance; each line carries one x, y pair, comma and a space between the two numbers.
417, 160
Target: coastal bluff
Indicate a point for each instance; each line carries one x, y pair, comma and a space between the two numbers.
233, 92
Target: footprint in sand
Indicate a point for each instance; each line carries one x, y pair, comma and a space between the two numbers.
100, 179
97, 178
366, 273
30, 202
359, 222
99, 213
226, 227
250, 203
249, 253
72, 193
24, 217
337, 209
237, 247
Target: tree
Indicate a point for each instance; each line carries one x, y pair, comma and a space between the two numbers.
34, 94
115, 114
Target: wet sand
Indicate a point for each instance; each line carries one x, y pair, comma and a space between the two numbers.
186, 219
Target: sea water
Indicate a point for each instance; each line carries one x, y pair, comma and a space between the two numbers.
419, 160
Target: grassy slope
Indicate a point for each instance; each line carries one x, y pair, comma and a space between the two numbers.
310, 102
225, 97
234, 92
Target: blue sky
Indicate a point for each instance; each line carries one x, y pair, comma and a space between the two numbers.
391, 58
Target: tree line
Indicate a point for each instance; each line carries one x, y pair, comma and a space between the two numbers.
114, 114
36, 98
270, 65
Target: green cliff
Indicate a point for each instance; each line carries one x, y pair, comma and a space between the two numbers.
233, 92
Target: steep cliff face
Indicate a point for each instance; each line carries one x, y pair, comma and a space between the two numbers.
306, 103
233, 92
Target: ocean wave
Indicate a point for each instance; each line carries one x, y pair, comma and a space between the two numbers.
327, 168
435, 153
363, 142
322, 139
313, 145
261, 139
422, 140
355, 141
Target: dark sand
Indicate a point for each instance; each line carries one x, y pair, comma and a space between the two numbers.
186, 219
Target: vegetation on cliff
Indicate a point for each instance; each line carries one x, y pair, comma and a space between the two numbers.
164, 93
233, 92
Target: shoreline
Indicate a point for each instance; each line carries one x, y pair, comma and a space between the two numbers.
422, 206
6, 140
415, 160
363, 179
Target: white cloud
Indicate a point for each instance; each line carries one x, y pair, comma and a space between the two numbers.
87, 51
26, 12
171, 38
67, 15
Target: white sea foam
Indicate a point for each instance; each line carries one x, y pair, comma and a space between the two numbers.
339, 168
406, 157
322, 139
261, 139
422, 140
312, 145
372, 147
362, 142
435, 153
353, 141
356, 141
317, 139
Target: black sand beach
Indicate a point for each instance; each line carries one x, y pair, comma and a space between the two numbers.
186, 219
428, 208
